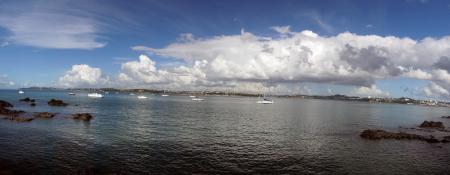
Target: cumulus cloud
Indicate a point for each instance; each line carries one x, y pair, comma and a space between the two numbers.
346, 58
252, 61
434, 90
371, 91
83, 75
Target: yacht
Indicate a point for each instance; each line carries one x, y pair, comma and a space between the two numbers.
265, 100
95, 95
21, 92
164, 94
197, 99
71, 93
141, 97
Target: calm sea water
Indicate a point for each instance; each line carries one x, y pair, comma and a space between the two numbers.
222, 135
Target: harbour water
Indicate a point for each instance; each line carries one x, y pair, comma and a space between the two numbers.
221, 135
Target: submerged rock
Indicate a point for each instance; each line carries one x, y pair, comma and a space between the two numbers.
19, 118
27, 100
32, 104
82, 116
377, 134
54, 102
44, 115
432, 124
5, 104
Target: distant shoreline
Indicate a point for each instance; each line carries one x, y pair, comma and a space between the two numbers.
401, 100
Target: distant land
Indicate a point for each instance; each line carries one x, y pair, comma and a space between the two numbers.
401, 100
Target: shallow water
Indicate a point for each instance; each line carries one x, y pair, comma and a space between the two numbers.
222, 135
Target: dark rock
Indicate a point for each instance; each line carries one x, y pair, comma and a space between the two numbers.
432, 124
376, 134
32, 104
8, 112
19, 118
44, 115
28, 100
373, 134
4, 104
82, 116
54, 102
446, 117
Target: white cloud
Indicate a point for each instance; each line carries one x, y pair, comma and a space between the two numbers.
434, 90
248, 60
51, 30
5, 82
371, 91
283, 30
83, 75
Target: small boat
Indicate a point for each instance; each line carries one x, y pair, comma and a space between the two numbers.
71, 93
21, 92
132, 94
95, 95
142, 97
192, 96
197, 99
164, 94
265, 101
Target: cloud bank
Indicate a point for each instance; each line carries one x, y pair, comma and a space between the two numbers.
294, 57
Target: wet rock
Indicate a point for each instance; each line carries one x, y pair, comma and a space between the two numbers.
54, 102
373, 134
19, 118
9, 112
432, 124
28, 100
5, 104
431, 139
82, 116
376, 134
446, 117
44, 115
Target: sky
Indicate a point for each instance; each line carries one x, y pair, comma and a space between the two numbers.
318, 47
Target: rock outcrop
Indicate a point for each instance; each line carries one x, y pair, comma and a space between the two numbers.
432, 124
28, 100
44, 115
377, 134
54, 102
82, 116
5, 104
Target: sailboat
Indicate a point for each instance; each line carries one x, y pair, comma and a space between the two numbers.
95, 95
142, 97
265, 100
164, 94
197, 99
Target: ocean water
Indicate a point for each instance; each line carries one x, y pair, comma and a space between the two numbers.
222, 135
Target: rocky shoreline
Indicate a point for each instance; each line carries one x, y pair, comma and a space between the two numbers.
430, 126
22, 116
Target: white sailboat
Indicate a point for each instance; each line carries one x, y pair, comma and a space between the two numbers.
164, 94
142, 97
95, 95
197, 99
265, 100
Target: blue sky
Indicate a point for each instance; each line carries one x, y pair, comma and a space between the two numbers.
41, 41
